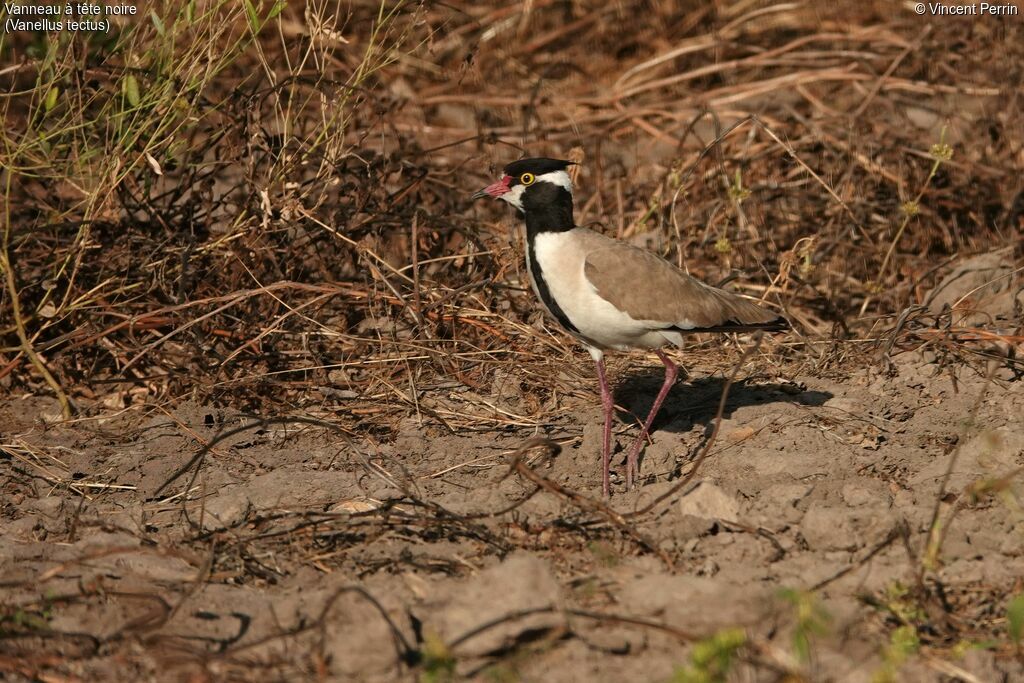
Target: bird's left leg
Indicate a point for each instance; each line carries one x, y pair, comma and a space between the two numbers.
671, 372
608, 405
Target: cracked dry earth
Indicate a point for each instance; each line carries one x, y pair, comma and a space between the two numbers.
306, 554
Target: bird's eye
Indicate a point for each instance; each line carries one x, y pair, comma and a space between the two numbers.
527, 179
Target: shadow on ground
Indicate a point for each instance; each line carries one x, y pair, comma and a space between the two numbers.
693, 402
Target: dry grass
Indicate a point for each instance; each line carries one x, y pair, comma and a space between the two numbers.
266, 207
271, 210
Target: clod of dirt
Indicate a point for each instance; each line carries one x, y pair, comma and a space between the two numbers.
830, 527
778, 504
981, 290
990, 454
359, 640
281, 489
496, 596
148, 566
663, 456
858, 495
506, 392
694, 603
708, 501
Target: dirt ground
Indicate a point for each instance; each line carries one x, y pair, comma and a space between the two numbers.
278, 404
313, 554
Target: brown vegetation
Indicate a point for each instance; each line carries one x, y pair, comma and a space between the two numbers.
237, 245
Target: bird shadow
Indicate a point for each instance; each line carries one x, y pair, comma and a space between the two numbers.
695, 401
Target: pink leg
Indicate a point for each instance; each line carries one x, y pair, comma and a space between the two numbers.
671, 372
609, 408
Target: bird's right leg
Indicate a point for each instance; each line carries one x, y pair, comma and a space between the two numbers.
608, 403
671, 372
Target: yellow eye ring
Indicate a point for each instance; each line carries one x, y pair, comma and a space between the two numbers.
527, 179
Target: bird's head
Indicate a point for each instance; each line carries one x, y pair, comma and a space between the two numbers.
532, 184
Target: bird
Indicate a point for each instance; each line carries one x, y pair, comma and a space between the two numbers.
610, 295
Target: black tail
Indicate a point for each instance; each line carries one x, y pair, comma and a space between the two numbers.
779, 324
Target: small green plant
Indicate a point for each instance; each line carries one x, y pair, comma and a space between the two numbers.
903, 642
901, 603
438, 664
712, 658
604, 554
811, 620
940, 153
1015, 619
939, 526
21, 619
910, 208
737, 192
501, 673
930, 560
804, 249
737, 195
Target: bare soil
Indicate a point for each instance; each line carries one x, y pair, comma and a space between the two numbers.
277, 404
314, 554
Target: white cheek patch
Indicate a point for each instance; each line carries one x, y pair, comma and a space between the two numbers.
560, 178
515, 196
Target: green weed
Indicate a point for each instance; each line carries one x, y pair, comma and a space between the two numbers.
438, 665
712, 658
903, 642
811, 620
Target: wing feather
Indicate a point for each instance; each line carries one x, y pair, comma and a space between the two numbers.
647, 287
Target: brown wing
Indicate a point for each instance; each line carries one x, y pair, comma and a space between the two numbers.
647, 287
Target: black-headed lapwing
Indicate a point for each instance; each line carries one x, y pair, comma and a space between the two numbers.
611, 295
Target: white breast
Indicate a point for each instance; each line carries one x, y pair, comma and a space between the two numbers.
561, 257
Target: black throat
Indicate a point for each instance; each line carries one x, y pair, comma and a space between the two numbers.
547, 208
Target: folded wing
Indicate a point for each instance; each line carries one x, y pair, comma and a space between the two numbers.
649, 288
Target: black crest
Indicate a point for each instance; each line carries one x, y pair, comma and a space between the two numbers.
538, 166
